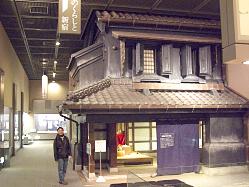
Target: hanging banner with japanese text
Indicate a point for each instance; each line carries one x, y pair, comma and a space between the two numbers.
69, 17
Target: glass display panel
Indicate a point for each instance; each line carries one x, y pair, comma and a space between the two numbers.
48, 123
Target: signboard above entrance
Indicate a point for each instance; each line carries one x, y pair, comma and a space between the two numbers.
69, 20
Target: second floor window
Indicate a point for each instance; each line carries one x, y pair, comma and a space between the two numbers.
149, 61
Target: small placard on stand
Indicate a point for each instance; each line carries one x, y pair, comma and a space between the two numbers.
100, 147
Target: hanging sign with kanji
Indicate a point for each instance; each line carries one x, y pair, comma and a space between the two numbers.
69, 17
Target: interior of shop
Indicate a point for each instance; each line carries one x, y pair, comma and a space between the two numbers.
137, 143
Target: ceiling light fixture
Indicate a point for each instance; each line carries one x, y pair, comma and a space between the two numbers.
55, 62
57, 43
44, 61
246, 62
55, 66
44, 86
54, 74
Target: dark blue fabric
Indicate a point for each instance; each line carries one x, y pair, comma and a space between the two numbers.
179, 151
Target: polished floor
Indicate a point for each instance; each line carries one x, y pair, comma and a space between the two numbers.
34, 166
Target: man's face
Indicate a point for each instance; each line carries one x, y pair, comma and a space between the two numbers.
61, 132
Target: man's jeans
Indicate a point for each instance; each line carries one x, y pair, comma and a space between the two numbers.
62, 168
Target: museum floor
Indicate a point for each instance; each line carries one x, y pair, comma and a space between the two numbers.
34, 167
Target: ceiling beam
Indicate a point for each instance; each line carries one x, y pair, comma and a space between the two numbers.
45, 47
24, 53
34, 17
144, 9
37, 1
19, 20
47, 39
31, 29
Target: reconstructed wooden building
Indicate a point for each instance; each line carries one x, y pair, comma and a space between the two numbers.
158, 77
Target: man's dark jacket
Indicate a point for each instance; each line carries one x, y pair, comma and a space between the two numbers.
62, 148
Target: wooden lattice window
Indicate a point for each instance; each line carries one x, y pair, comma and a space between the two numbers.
142, 136
149, 61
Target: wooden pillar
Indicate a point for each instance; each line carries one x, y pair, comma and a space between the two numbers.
84, 140
112, 147
246, 135
91, 159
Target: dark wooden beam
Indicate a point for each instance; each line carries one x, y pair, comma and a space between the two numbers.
183, 86
166, 37
112, 145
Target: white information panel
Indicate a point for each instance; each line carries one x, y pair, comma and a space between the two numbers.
100, 146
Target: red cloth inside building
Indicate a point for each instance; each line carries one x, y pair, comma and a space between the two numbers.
120, 139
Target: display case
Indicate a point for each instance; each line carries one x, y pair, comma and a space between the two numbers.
4, 138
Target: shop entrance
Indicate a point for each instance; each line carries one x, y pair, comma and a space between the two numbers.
136, 143
177, 147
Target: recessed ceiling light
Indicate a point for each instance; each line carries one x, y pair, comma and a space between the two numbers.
55, 62
57, 43
246, 62
44, 63
54, 74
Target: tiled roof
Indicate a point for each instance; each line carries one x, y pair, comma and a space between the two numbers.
94, 88
119, 94
125, 17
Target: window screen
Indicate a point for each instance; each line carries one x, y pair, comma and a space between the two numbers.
149, 61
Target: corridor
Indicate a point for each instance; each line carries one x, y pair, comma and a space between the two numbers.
34, 166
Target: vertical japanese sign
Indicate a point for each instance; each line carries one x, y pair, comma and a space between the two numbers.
69, 18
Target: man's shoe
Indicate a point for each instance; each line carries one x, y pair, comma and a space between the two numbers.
65, 183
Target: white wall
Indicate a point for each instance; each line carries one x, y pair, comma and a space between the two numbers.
13, 73
238, 78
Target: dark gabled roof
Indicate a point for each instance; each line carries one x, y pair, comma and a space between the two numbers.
119, 94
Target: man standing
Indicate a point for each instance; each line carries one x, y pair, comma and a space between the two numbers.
62, 152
